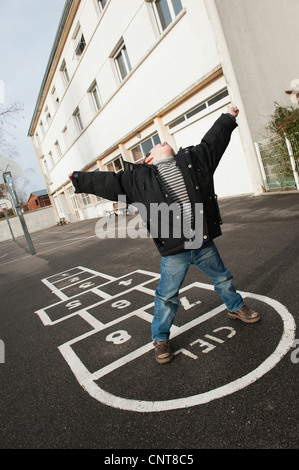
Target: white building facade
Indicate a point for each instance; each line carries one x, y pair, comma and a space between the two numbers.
123, 76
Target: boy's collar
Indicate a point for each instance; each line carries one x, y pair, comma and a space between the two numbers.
163, 160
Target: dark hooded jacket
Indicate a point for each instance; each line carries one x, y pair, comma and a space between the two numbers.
141, 185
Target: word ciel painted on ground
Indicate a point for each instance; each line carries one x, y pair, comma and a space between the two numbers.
207, 346
112, 354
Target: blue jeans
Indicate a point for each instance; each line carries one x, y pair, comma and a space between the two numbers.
173, 272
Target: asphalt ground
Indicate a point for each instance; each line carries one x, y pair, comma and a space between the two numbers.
79, 371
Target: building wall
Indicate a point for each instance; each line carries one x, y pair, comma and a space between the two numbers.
262, 38
185, 54
35, 221
172, 72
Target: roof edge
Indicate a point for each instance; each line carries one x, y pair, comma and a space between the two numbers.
71, 6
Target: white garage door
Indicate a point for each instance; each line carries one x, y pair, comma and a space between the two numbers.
232, 176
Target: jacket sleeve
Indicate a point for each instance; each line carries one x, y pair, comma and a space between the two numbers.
106, 184
215, 141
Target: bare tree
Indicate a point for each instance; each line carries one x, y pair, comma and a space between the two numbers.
8, 116
2, 190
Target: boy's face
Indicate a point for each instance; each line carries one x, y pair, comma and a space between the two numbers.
158, 152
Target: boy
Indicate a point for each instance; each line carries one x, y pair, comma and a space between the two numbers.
183, 180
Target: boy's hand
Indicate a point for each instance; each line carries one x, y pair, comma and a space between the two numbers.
234, 111
70, 176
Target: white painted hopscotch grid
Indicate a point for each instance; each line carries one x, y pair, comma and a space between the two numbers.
92, 293
120, 311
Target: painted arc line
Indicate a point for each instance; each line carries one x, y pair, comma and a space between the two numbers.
143, 406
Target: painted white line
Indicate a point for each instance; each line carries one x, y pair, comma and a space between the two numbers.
63, 296
200, 319
74, 362
54, 289
145, 290
96, 324
80, 281
101, 293
44, 317
145, 315
63, 273
105, 276
121, 362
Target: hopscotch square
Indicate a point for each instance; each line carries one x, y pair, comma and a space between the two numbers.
73, 306
127, 282
86, 284
73, 280
63, 275
101, 348
121, 306
193, 302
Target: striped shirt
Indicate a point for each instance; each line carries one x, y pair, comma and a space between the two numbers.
174, 183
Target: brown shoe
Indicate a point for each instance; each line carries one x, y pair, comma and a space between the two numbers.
245, 314
163, 352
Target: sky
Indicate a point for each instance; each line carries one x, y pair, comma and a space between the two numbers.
27, 32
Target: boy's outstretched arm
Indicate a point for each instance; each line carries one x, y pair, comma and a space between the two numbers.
106, 184
216, 140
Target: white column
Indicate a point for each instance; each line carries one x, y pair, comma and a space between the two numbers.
234, 92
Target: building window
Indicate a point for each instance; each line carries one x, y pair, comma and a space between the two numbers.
65, 74
95, 97
80, 46
55, 97
37, 139
58, 205
199, 108
74, 201
166, 11
116, 165
196, 110
139, 152
177, 122
48, 116
79, 41
78, 120
122, 61
45, 167
50, 161
41, 127
86, 199
102, 4
58, 149
218, 97
66, 136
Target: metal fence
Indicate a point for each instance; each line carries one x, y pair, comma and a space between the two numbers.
294, 149
279, 162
